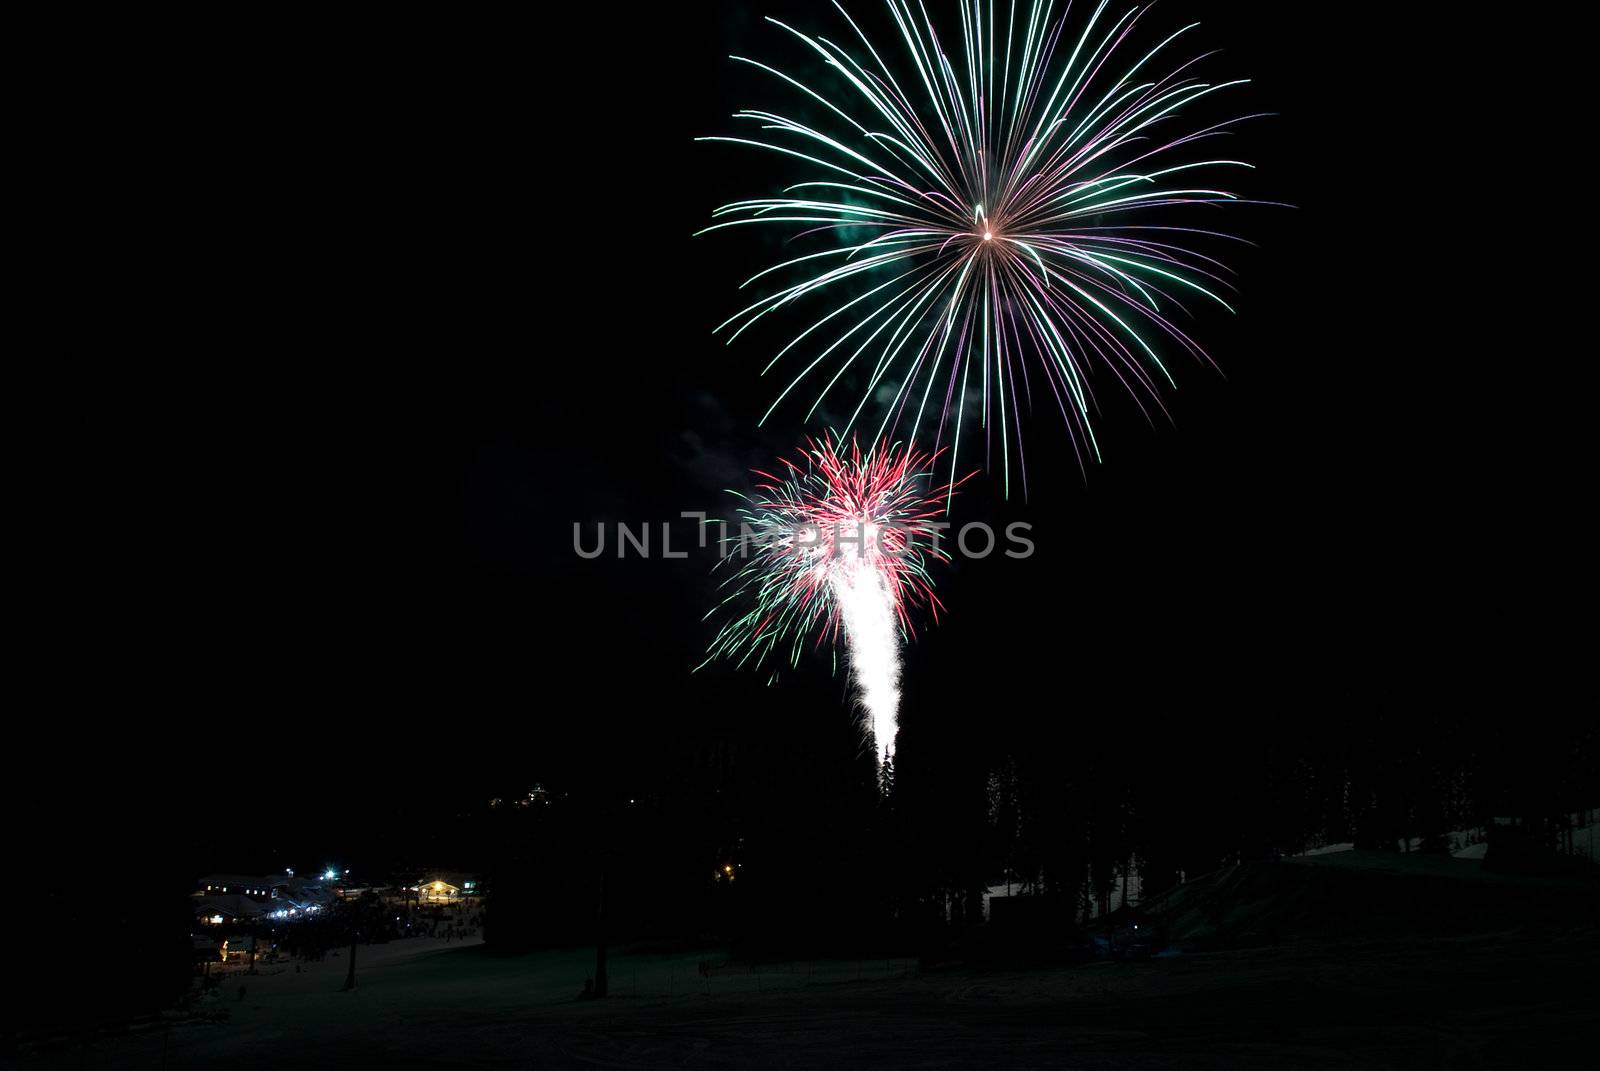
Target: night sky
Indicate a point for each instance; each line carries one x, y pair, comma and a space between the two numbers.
432, 326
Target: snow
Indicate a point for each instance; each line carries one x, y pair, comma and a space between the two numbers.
1472, 843
1329, 849
423, 1003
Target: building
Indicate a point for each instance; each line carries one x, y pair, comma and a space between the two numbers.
226, 910
254, 886
238, 949
229, 899
444, 887
206, 950
438, 891
355, 889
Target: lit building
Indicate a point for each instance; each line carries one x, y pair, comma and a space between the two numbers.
438, 892
253, 886
438, 887
227, 899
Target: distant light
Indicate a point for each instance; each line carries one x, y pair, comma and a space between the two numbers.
987, 235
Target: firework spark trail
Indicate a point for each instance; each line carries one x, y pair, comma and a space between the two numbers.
836, 548
866, 608
989, 201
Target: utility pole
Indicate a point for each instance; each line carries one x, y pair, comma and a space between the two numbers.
355, 935
350, 977
600, 937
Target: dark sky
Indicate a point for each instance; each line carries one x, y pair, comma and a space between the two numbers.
447, 304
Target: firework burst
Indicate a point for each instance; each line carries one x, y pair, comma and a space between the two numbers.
836, 547
983, 219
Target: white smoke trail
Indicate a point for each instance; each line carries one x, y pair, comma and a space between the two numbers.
866, 603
